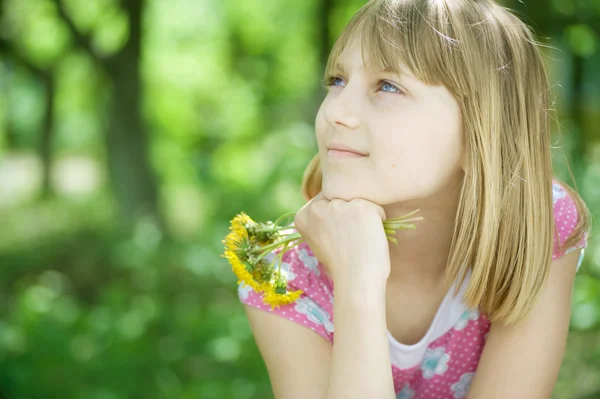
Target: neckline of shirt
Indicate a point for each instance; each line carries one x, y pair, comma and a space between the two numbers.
448, 300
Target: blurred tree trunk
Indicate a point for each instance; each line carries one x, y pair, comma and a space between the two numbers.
323, 12
45, 148
46, 78
12, 62
127, 137
131, 176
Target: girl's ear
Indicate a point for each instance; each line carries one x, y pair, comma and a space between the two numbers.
312, 179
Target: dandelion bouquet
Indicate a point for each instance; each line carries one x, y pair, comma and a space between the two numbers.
250, 245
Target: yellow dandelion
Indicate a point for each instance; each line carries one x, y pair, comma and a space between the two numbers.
239, 223
233, 241
236, 244
274, 299
241, 272
248, 242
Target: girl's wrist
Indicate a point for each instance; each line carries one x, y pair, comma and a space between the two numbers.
364, 290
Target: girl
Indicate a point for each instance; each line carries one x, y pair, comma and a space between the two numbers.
442, 106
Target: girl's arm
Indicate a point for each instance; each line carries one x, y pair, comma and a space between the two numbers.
361, 365
523, 361
298, 360
301, 364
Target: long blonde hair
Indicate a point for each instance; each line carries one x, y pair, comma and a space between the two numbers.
490, 61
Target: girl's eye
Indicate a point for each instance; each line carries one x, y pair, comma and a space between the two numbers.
397, 90
331, 80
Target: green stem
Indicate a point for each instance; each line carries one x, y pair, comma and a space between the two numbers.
278, 228
278, 257
275, 244
393, 223
300, 241
405, 216
403, 220
390, 227
283, 216
400, 226
284, 250
266, 249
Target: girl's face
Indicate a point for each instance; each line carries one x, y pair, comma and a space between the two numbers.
411, 134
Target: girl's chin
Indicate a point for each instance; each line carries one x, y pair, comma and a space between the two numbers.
346, 194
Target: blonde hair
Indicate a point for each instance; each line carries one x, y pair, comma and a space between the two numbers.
490, 62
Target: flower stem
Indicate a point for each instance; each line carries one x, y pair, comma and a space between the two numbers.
266, 249
300, 241
278, 228
400, 226
283, 251
283, 216
387, 221
405, 216
390, 227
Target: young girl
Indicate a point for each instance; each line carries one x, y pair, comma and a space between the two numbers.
442, 106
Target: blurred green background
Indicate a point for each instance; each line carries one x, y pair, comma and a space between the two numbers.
132, 131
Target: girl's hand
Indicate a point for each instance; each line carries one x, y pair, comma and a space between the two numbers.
347, 237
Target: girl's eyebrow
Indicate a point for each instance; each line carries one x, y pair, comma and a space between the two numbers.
395, 70
339, 67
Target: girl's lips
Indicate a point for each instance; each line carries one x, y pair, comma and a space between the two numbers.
338, 154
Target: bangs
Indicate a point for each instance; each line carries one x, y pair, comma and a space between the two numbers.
395, 35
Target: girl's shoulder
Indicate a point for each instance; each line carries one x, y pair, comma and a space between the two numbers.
314, 308
566, 217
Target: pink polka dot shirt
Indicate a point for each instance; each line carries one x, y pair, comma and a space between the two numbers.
443, 363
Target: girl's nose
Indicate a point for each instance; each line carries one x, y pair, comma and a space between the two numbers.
343, 108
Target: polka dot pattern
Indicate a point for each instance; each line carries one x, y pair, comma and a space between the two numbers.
565, 220
448, 366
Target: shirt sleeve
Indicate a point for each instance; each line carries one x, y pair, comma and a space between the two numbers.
566, 218
314, 308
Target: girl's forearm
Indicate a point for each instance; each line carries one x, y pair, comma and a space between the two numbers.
360, 365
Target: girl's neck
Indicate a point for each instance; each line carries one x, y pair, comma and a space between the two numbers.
421, 254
